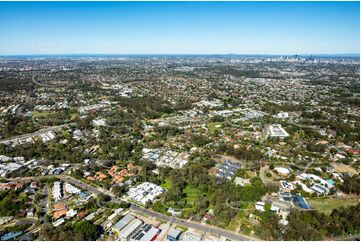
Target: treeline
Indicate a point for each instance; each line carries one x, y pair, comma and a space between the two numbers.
199, 140
17, 125
168, 130
351, 184
288, 107
242, 153
146, 107
11, 203
77, 231
52, 151
311, 225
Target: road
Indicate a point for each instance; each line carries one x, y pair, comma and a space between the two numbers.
44, 205
348, 238
291, 121
193, 225
41, 131
44, 85
181, 222
264, 178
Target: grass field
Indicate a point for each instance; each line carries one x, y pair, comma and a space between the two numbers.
214, 126
191, 194
235, 223
326, 205
42, 114
167, 184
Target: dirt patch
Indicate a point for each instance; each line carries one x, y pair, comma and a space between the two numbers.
342, 168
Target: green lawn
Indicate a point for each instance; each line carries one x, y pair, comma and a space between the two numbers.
191, 194
42, 114
235, 223
214, 126
166, 184
181, 228
326, 205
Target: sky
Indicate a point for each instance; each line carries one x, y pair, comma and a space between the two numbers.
179, 28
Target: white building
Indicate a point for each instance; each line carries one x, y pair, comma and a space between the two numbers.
145, 192
68, 188
281, 115
282, 171
275, 131
71, 213
57, 191
260, 206
99, 122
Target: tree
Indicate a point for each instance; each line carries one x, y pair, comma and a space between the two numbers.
89, 230
351, 185
201, 203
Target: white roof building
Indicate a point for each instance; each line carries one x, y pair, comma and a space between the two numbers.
71, 189
282, 170
57, 191
275, 131
260, 206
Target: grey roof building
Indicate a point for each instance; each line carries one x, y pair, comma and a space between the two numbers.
123, 222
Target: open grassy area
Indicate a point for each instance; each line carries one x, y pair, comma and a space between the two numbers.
166, 184
191, 194
181, 228
235, 223
42, 114
326, 205
214, 126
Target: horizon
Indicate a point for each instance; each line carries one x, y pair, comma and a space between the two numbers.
179, 28
184, 54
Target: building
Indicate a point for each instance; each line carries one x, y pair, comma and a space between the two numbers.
282, 171
58, 222
227, 170
30, 212
145, 192
260, 206
71, 213
146, 233
68, 188
122, 223
286, 186
116, 212
90, 216
281, 115
300, 201
241, 181
173, 234
84, 196
57, 191
130, 229
188, 236
285, 196
60, 210
11, 236
5, 220
320, 190
165, 157
282, 208
275, 131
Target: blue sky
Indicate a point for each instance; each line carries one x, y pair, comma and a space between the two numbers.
179, 27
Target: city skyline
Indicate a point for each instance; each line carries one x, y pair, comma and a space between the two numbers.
269, 28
